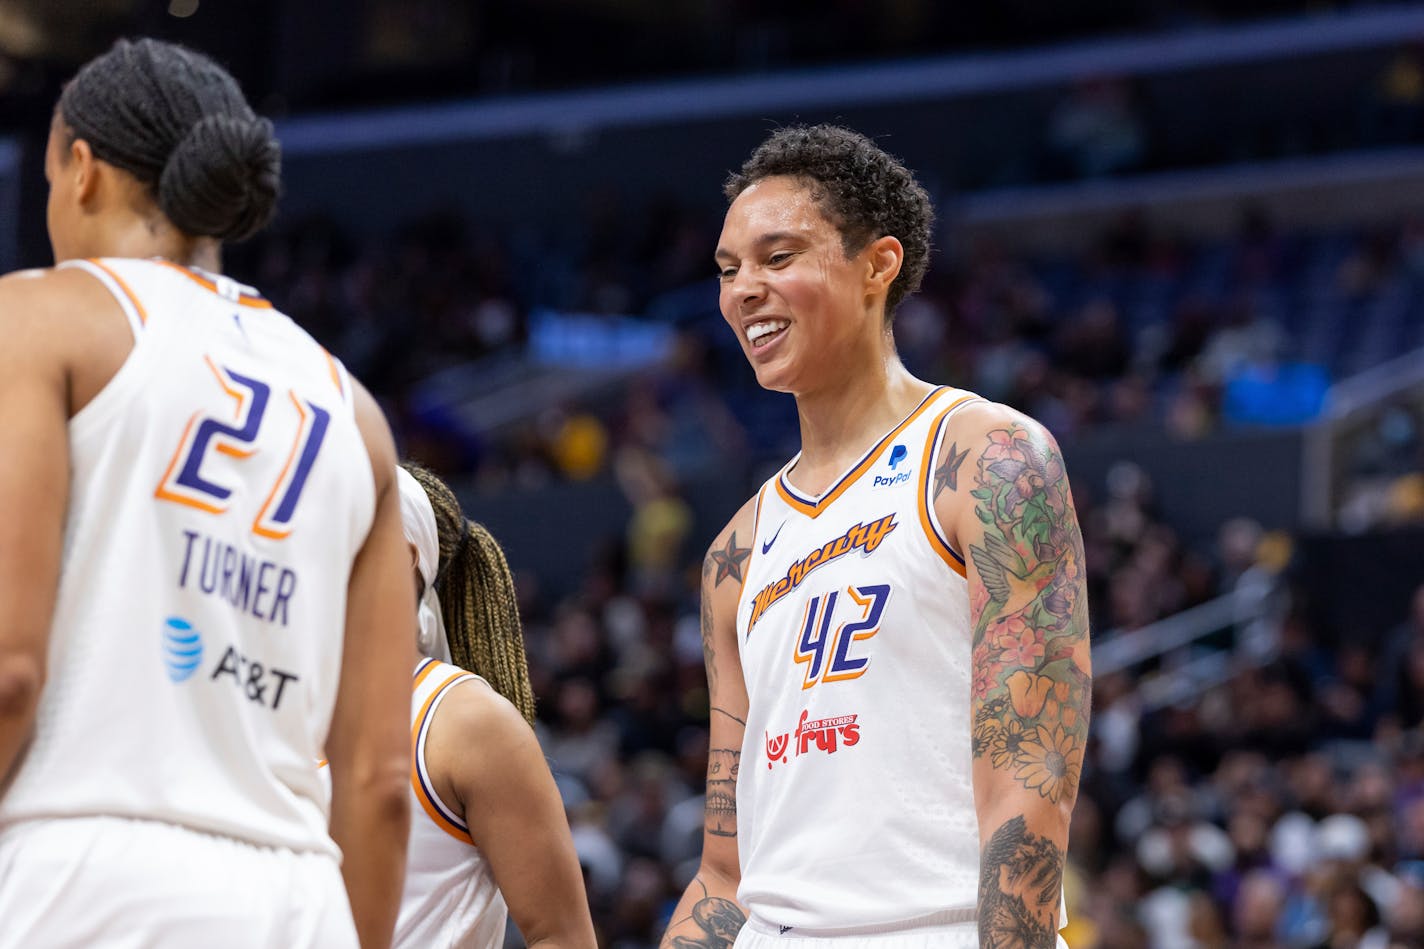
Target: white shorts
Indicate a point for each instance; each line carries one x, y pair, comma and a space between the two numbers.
758, 935
118, 883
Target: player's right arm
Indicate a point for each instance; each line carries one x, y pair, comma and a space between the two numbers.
369, 744
33, 496
708, 916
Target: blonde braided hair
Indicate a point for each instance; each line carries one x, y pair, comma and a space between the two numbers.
477, 599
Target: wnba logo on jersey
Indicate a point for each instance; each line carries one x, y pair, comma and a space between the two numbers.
182, 649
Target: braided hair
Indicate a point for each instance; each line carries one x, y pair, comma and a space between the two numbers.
179, 123
477, 600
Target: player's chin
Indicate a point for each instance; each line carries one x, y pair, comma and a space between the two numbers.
774, 378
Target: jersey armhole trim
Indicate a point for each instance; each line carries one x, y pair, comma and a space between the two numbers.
439, 813
751, 549
339, 375
929, 521
751, 556
121, 292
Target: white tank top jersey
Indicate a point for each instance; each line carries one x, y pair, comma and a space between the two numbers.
450, 897
855, 806
219, 493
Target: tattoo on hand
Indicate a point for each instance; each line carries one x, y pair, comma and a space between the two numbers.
729, 560
1031, 694
721, 807
1020, 879
720, 920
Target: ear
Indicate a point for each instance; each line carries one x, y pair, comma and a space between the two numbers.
84, 169
883, 259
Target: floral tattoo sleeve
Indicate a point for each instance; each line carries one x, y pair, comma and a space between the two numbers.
1030, 690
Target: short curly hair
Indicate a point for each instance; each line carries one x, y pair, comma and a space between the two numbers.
862, 190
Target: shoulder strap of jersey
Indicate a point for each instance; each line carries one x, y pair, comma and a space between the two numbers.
433, 681
340, 377
128, 301
931, 476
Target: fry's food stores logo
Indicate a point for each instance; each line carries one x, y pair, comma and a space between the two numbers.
824, 734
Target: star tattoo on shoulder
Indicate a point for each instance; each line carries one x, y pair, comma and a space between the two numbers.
729, 560
947, 474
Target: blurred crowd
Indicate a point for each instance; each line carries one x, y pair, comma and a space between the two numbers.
1283, 808
1138, 329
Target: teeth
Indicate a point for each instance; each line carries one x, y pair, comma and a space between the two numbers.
765, 328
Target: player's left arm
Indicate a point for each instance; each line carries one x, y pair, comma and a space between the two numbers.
34, 480
1002, 495
501, 782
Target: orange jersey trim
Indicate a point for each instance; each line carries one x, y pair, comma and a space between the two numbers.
946, 553
335, 373
243, 299
128, 292
813, 509
423, 674
426, 803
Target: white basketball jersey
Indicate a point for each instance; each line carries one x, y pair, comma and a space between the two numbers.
855, 806
450, 899
219, 493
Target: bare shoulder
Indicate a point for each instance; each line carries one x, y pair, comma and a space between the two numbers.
473, 707
724, 567
478, 735
989, 440
62, 324
33, 300
982, 419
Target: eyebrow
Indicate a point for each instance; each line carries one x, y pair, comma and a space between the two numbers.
770, 238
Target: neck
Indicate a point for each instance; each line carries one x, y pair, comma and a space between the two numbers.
840, 422
142, 237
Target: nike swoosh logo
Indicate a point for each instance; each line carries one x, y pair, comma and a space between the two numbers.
766, 544
785, 929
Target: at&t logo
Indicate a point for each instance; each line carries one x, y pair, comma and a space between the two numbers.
182, 649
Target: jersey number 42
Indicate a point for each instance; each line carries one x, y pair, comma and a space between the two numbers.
826, 652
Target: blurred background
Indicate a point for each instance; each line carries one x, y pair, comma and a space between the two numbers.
1186, 235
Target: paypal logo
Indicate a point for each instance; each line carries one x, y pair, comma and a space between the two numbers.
898, 454
182, 649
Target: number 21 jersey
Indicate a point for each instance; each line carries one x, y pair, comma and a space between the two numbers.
219, 493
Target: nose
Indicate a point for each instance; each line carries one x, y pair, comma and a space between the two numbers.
746, 288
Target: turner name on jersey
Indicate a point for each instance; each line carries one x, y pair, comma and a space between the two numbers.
251, 585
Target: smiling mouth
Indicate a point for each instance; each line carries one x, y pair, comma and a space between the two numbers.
761, 333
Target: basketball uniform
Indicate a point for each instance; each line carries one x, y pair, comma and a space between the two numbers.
855, 804
450, 898
219, 493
